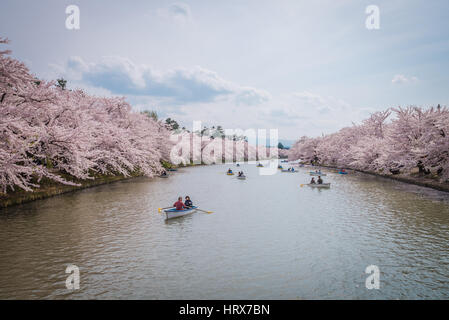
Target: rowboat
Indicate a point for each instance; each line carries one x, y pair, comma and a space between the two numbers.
259, 165
284, 161
230, 173
173, 213
317, 174
163, 176
323, 185
280, 167
241, 177
340, 172
172, 169
286, 170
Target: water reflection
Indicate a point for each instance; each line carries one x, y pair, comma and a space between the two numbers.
268, 238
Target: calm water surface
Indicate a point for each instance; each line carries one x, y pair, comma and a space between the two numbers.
268, 238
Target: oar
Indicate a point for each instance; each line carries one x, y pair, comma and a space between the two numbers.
160, 209
204, 211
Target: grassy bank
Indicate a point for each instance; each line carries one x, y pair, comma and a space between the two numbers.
412, 178
50, 188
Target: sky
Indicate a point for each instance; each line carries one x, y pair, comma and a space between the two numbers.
302, 67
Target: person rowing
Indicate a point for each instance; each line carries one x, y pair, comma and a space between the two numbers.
188, 202
179, 205
312, 181
241, 174
320, 181
229, 170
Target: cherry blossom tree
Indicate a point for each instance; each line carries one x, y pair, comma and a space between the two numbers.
64, 135
395, 140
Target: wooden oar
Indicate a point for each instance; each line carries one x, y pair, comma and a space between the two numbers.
204, 210
160, 209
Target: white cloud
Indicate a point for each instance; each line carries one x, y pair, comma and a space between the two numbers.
177, 86
309, 98
251, 96
179, 12
402, 79
306, 112
321, 103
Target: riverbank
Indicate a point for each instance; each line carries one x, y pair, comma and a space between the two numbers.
412, 178
50, 188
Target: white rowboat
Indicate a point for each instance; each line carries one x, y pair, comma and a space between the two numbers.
173, 213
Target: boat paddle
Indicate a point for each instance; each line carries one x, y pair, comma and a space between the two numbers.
160, 209
204, 211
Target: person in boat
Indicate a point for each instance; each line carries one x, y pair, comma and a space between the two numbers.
164, 173
342, 170
179, 205
229, 170
312, 181
188, 202
320, 181
289, 169
293, 169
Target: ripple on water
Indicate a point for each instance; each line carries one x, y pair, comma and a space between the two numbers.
268, 238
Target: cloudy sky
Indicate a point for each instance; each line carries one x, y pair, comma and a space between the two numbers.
304, 67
